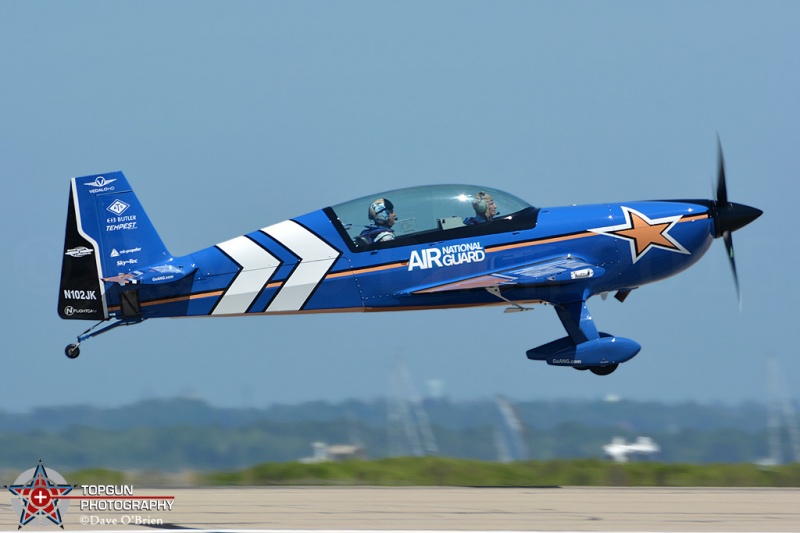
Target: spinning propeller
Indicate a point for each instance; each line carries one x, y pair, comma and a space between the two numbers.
729, 216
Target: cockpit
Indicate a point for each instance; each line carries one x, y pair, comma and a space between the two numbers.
429, 213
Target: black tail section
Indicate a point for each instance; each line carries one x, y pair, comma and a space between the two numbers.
81, 294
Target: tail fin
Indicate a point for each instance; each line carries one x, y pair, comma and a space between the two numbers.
108, 234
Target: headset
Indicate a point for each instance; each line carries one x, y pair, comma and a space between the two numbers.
481, 202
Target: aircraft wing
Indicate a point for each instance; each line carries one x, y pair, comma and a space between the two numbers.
553, 271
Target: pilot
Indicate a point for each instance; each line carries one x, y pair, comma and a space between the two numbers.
485, 209
383, 217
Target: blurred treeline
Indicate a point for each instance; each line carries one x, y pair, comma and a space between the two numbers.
180, 434
442, 471
437, 471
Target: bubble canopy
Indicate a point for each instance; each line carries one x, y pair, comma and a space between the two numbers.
432, 212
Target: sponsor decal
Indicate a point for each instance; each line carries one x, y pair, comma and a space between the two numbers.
118, 207
43, 493
72, 311
121, 222
123, 226
446, 256
80, 295
566, 361
124, 262
79, 251
101, 184
117, 253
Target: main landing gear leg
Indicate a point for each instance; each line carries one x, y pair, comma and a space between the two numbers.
73, 350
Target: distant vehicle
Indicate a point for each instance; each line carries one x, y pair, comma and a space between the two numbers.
620, 451
428, 247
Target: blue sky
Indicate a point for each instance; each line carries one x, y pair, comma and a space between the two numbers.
227, 117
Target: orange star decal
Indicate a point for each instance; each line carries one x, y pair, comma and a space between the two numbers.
644, 233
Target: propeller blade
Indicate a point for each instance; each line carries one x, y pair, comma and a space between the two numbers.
728, 238
722, 188
728, 217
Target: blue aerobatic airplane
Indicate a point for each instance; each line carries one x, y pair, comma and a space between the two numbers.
426, 247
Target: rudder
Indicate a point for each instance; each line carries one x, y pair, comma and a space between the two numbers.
108, 234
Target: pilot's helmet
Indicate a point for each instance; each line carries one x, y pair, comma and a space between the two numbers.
380, 210
481, 201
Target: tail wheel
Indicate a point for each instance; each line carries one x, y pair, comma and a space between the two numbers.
603, 370
72, 351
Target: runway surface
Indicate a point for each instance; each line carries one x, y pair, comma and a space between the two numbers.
449, 509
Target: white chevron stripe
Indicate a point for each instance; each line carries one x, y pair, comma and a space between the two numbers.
257, 264
316, 258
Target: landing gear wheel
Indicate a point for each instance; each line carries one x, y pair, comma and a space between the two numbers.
72, 351
604, 370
